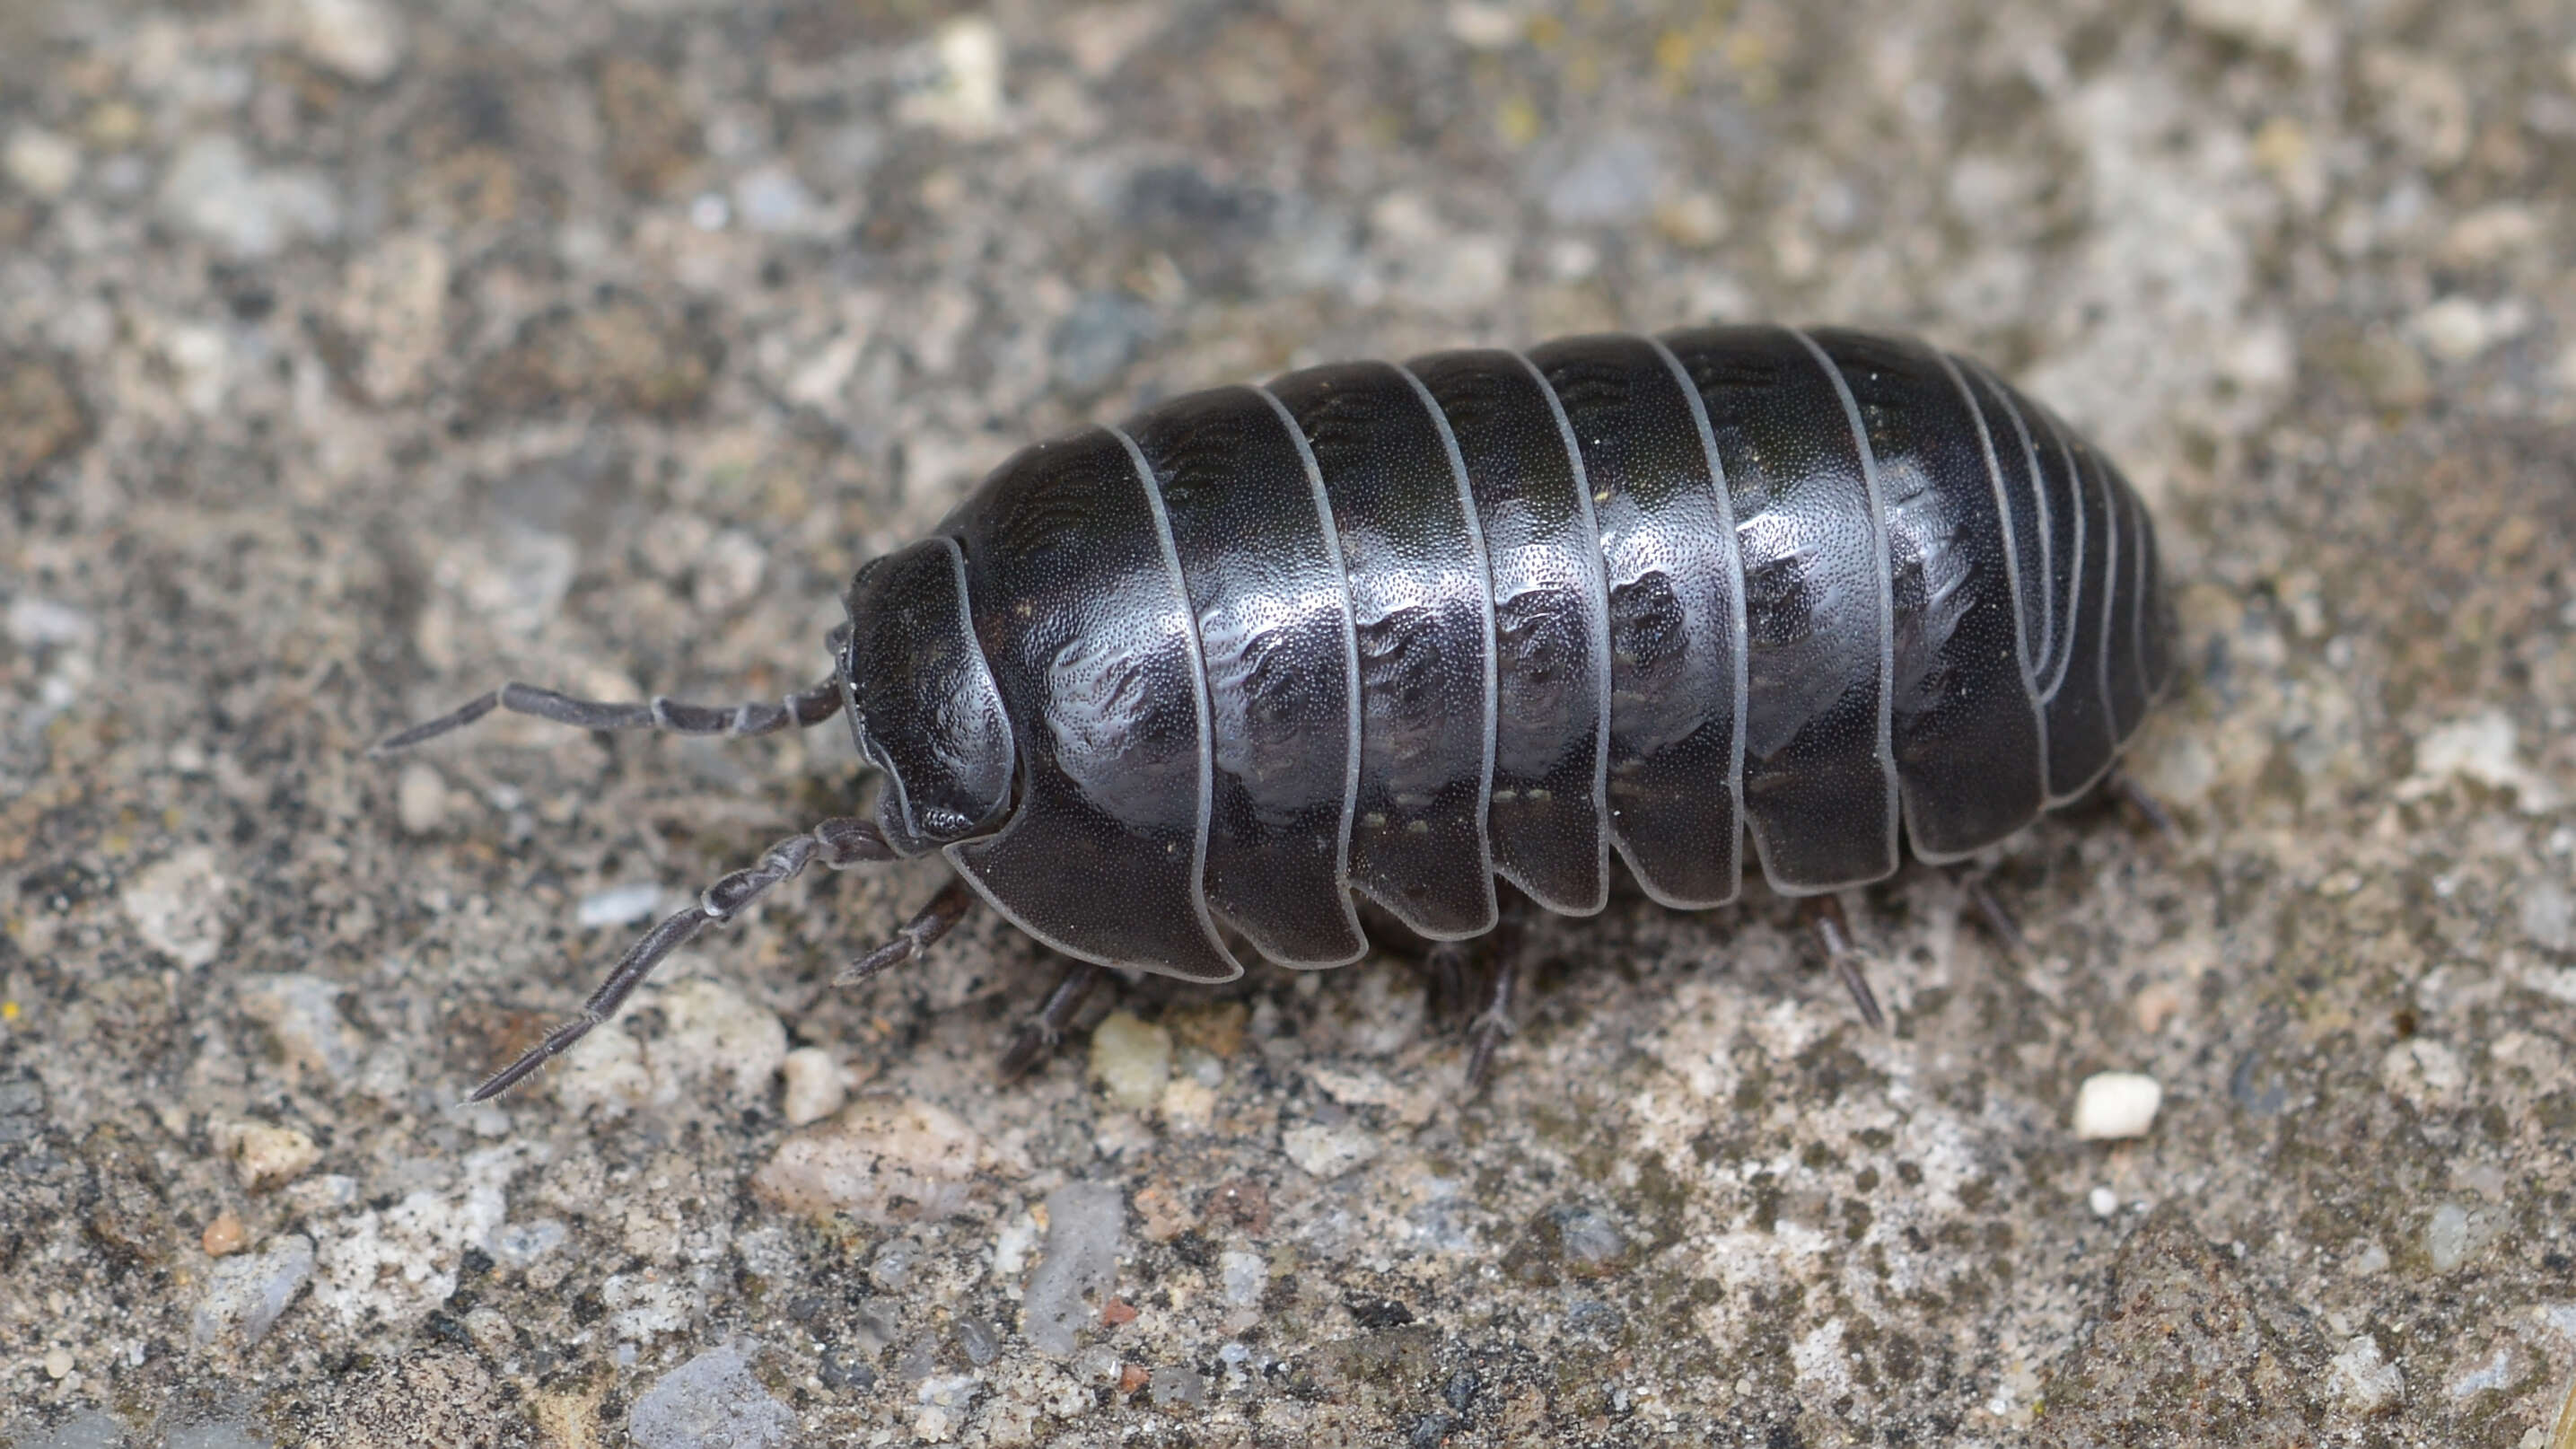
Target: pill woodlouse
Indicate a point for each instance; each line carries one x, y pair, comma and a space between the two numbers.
1399, 630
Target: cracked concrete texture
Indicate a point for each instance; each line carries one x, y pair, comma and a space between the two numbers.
356, 355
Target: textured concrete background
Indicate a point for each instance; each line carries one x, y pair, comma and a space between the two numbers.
354, 357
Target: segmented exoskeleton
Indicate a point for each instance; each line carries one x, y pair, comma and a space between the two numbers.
1158, 688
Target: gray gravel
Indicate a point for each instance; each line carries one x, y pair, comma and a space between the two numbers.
356, 355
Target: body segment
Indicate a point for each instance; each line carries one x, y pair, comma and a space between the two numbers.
1263, 567
1422, 609
1675, 614
1077, 598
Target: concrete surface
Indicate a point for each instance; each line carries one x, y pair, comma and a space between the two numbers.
355, 356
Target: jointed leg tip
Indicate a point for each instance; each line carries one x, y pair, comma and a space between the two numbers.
879, 961
1038, 1039
1826, 914
874, 963
1999, 920
427, 730
2125, 787
395, 744
718, 903
1492, 1026
915, 936
528, 1065
1863, 997
1020, 1056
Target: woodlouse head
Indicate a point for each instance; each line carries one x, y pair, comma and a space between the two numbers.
923, 705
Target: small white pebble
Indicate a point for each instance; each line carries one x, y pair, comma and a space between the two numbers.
2496, 1372
360, 39
519, 1244
604, 1070
2428, 1074
329, 1192
265, 1155
1244, 1277
962, 93
1011, 1247
179, 906
1571, 259
2364, 1379
772, 200
2273, 23
245, 1293
1484, 26
42, 163
880, 1160
2456, 329
302, 1013
2103, 1201
2114, 1105
1131, 1059
1188, 1104
420, 798
815, 1087
34, 621
1328, 1152
2483, 748
2548, 915
618, 905
711, 1031
58, 1363
2453, 1236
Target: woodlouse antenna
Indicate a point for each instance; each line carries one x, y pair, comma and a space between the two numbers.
803, 709
840, 843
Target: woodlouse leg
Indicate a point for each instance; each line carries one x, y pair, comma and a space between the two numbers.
1826, 913
2120, 785
1998, 917
1039, 1039
915, 936
803, 709
838, 843
1494, 1023
1446, 967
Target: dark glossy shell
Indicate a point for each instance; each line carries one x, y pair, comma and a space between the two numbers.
1401, 629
